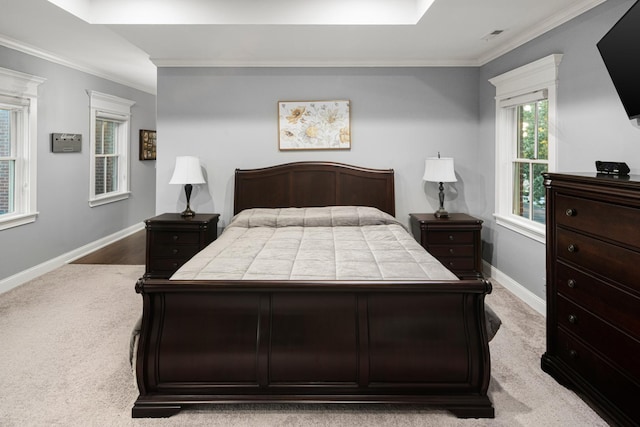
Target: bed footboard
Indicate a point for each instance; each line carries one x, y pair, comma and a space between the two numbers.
350, 342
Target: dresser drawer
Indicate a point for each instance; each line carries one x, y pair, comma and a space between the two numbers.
615, 262
620, 308
591, 216
450, 237
452, 250
176, 237
600, 335
609, 381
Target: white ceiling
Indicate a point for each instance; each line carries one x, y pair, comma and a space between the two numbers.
124, 40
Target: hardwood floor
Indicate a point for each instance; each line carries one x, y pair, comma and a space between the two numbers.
127, 251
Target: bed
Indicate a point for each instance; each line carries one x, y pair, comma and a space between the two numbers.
220, 332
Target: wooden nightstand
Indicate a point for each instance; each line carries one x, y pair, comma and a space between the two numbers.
172, 240
454, 241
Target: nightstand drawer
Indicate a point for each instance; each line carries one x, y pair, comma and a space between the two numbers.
181, 251
450, 237
176, 237
452, 250
168, 265
458, 264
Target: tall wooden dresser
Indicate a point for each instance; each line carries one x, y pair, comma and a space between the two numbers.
593, 290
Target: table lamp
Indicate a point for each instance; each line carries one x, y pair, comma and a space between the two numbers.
187, 172
440, 169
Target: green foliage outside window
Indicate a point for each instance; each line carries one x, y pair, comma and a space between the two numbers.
532, 156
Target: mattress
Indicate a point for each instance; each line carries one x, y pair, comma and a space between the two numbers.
324, 243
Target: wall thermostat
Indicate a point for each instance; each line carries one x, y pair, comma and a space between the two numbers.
66, 142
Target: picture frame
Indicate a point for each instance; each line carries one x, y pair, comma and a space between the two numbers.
148, 145
314, 125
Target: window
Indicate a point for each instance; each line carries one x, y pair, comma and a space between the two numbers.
525, 144
109, 137
18, 147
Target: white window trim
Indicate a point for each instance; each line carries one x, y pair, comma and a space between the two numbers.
521, 83
115, 108
24, 87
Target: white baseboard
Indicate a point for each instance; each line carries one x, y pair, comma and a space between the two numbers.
50, 265
528, 297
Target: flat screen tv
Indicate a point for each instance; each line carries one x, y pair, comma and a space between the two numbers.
620, 50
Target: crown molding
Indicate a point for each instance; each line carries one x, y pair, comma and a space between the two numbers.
549, 24
57, 59
178, 63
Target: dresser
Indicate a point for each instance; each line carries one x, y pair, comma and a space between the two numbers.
455, 241
593, 290
173, 239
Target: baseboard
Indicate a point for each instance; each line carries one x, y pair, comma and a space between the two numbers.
528, 297
50, 265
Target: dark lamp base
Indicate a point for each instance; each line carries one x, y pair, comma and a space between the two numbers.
441, 213
187, 212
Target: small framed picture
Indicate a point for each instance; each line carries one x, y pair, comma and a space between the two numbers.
147, 144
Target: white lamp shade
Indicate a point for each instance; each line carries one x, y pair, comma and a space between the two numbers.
187, 171
439, 169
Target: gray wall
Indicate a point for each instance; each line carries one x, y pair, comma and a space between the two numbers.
66, 222
592, 126
228, 118
399, 116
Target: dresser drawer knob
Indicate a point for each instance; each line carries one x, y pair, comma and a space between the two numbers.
573, 319
573, 354
571, 283
572, 248
451, 237
174, 251
174, 237
571, 212
451, 251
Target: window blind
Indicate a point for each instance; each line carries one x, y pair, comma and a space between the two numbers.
526, 98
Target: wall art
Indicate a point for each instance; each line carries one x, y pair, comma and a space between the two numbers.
147, 144
314, 125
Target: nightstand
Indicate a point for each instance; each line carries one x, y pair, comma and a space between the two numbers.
455, 241
173, 239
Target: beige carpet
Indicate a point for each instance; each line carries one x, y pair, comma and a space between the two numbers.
64, 341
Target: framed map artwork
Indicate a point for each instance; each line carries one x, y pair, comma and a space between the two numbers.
314, 125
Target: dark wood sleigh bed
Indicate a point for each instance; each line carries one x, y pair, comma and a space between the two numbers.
240, 341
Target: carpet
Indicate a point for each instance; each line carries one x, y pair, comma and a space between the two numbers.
64, 342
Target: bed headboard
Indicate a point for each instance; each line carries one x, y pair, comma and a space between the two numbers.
309, 184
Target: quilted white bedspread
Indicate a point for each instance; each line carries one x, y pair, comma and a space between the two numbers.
327, 243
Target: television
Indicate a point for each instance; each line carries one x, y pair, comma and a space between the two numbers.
620, 51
